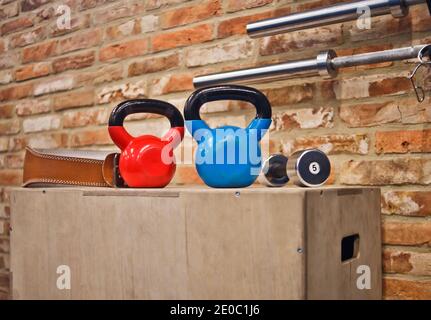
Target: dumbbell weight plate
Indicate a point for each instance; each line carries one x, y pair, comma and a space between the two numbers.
274, 171
309, 168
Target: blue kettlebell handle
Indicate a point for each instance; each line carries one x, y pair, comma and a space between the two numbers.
227, 92
198, 98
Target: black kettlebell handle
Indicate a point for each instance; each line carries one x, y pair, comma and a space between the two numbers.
227, 92
163, 108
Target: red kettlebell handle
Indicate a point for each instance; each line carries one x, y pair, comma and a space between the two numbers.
122, 138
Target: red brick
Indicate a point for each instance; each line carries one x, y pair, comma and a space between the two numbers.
17, 143
61, 83
231, 51
74, 100
10, 177
405, 111
190, 14
403, 141
4, 146
171, 83
411, 233
44, 141
6, 1
14, 161
184, 37
407, 203
364, 115
352, 88
42, 123
396, 262
405, 261
406, 288
9, 59
397, 85
153, 64
237, 5
16, 92
330, 144
381, 27
80, 40
122, 91
304, 118
103, 74
88, 117
9, 10
419, 19
395, 171
47, 13
73, 62
30, 107
124, 29
118, 11
6, 76
326, 89
237, 25
155, 4
7, 111
31, 71
315, 5
88, 4
290, 94
39, 52
29, 5
76, 23
90, 137
304, 39
124, 50
27, 38
15, 25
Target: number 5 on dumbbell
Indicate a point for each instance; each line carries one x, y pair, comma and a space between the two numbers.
308, 168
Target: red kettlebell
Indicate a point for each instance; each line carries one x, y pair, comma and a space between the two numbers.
146, 161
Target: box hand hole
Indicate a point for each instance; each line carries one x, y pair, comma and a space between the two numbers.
349, 247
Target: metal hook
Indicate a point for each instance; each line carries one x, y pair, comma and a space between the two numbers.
419, 90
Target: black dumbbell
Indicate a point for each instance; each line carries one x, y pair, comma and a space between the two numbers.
307, 168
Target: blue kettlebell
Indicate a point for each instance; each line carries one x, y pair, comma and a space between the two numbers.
228, 156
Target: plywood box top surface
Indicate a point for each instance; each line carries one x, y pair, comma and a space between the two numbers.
175, 191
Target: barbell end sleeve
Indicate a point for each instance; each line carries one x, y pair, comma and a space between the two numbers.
324, 64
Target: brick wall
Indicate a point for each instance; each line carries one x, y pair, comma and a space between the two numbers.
57, 87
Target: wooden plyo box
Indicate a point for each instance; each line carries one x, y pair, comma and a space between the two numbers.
196, 243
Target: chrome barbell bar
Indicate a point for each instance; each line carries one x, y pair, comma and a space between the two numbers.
331, 14
325, 64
